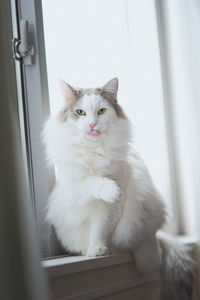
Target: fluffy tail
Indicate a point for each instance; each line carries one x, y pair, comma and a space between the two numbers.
178, 269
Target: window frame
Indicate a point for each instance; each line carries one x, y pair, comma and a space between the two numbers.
21, 274
33, 106
180, 222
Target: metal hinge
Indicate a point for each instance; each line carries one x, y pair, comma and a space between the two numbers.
22, 49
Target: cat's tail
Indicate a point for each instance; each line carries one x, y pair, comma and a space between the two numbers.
178, 269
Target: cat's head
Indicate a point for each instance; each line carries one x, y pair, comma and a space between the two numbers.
91, 111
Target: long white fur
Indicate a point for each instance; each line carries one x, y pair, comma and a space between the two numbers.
104, 197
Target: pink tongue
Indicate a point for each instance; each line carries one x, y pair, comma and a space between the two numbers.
94, 132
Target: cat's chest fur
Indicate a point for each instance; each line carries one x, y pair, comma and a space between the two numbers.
93, 160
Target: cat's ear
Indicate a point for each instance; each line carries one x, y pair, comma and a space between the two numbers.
67, 92
109, 90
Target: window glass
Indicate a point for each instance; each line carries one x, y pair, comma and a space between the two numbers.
89, 42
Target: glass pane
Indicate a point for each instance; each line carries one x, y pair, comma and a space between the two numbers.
89, 42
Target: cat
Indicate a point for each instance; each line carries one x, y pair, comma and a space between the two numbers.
104, 198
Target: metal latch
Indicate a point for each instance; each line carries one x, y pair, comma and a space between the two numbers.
22, 49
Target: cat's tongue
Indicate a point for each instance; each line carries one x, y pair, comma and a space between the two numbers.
94, 132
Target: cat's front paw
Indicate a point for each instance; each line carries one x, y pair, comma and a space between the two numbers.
98, 251
108, 191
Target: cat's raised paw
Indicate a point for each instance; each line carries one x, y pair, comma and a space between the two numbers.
109, 192
98, 251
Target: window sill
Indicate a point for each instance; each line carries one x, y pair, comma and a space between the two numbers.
73, 264
81, 277
66, 265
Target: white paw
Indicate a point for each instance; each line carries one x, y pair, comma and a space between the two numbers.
97, 251
109, 191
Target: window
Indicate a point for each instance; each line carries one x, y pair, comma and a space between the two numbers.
86, 47
122, 46
179, 28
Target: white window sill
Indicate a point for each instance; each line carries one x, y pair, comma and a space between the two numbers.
71, 264
74, 264
81, 277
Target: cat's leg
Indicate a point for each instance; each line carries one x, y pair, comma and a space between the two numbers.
102, 225
98, 187
99, 239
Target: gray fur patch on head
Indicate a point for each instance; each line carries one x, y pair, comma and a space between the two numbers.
111, 97
62, 115
119, 111
108, 92
110, 89
79, 93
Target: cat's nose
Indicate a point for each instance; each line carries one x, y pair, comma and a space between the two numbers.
92, 125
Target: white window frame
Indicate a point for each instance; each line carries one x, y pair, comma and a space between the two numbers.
33, 103
21, 274
176, 189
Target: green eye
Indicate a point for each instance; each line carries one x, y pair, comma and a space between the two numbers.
80, 112
101, 111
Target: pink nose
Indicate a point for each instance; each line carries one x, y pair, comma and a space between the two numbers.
92, 125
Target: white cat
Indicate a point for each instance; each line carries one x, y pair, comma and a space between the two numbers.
104, 197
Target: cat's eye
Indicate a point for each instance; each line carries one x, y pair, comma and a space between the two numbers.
101, 111
80, 112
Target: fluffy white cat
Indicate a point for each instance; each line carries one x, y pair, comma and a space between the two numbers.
104, 197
